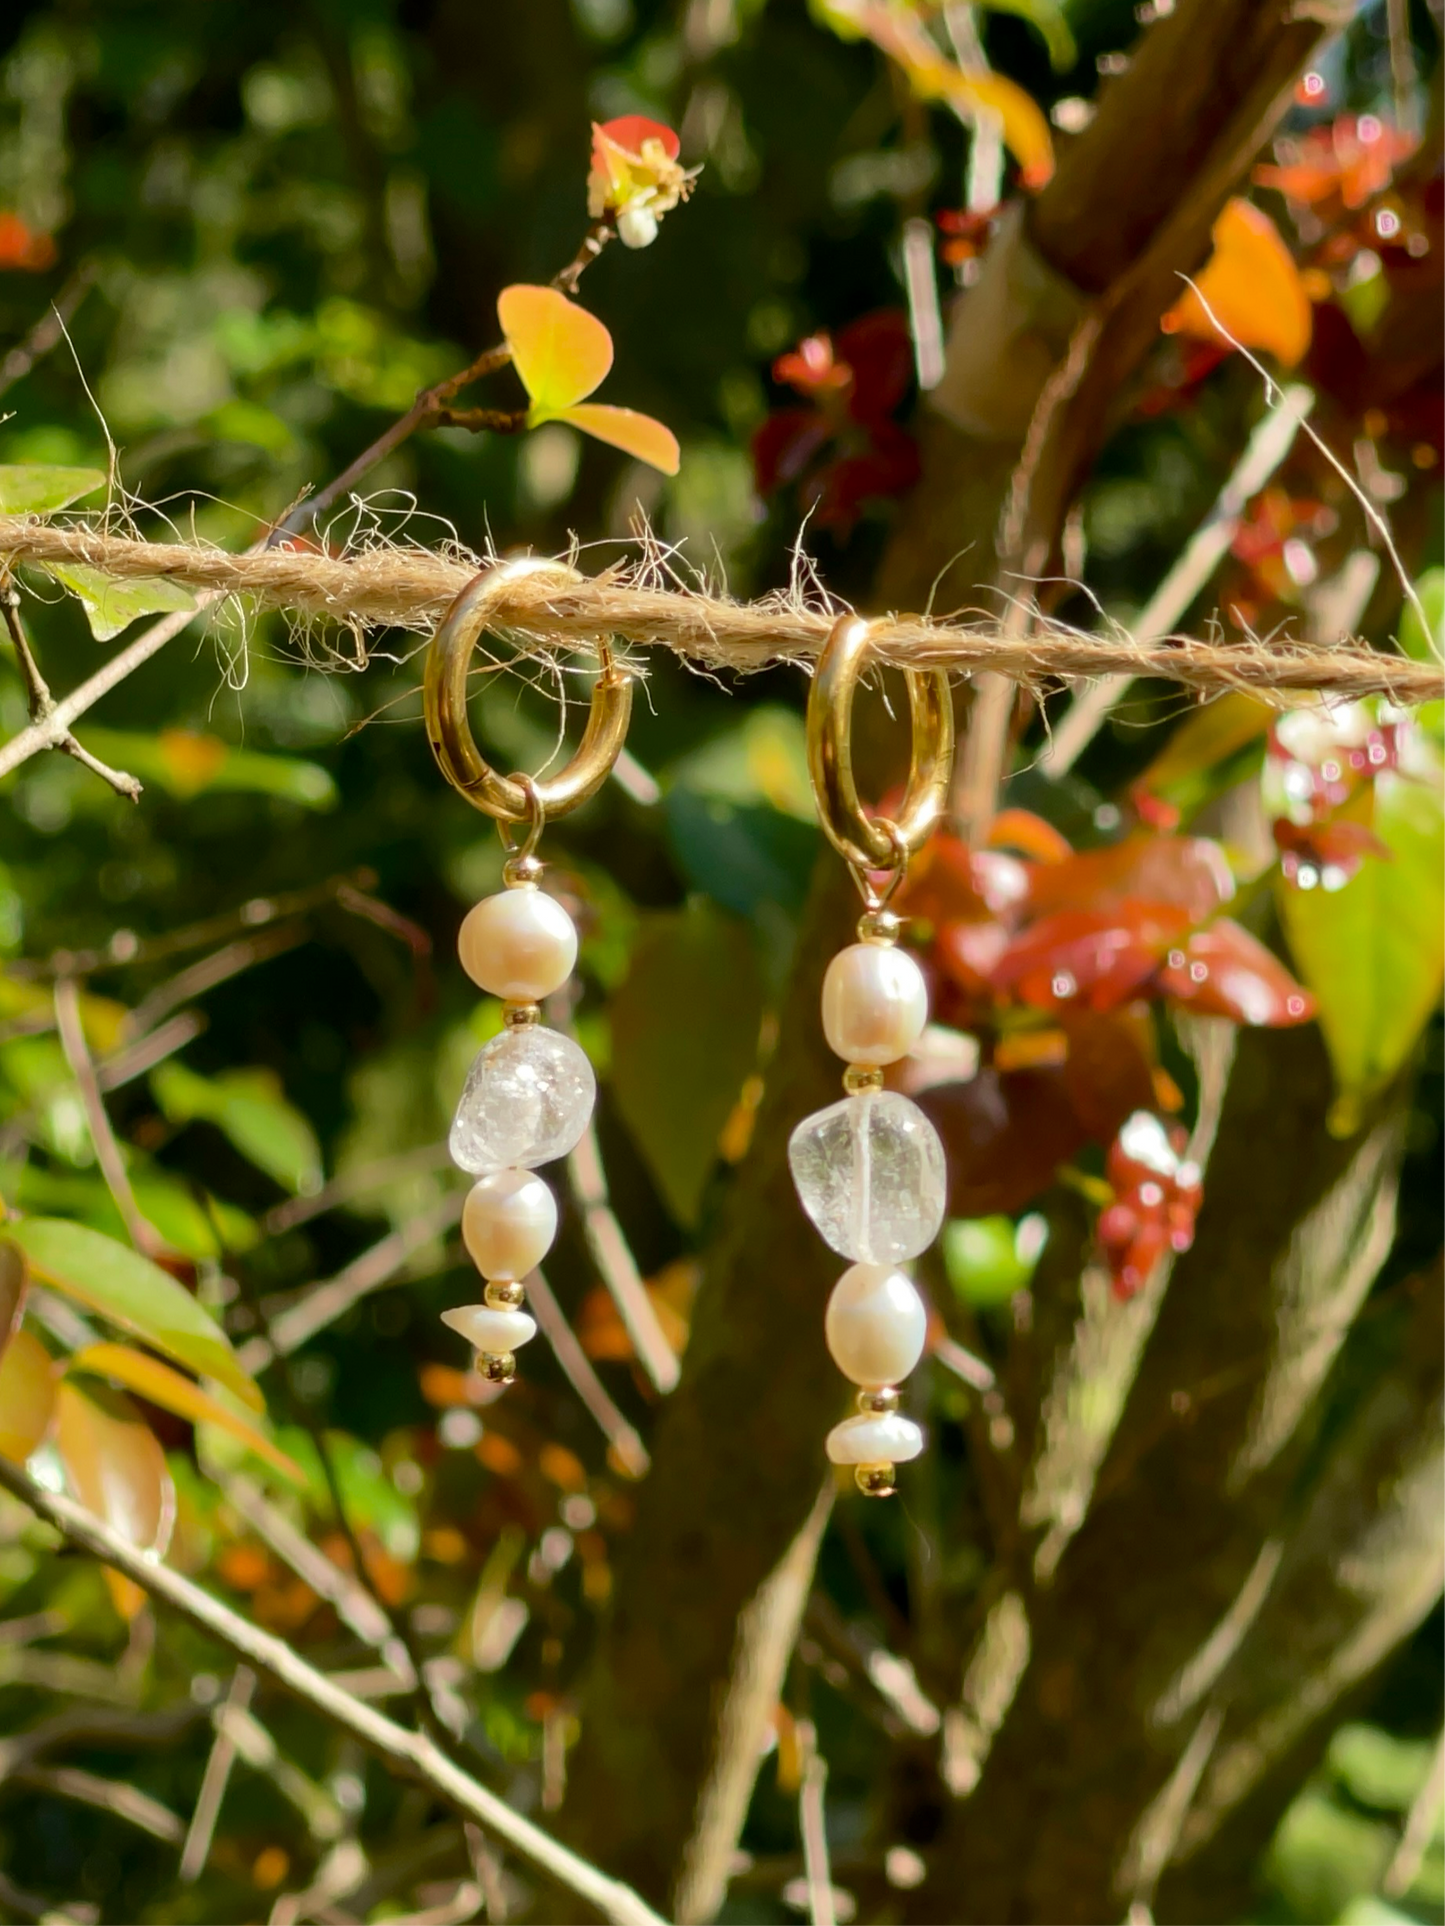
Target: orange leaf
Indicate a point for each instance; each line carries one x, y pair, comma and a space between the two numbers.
27, 1396
1252, 287
172, 1392
624, 428
117, 1469
560, 350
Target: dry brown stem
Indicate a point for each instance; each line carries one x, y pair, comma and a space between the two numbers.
411, 587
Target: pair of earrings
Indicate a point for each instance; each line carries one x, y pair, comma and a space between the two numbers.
869, 1171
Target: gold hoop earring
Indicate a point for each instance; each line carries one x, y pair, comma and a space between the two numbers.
869, 1171
529, 1094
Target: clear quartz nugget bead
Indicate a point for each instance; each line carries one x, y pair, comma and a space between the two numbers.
870, 1173
526, 1101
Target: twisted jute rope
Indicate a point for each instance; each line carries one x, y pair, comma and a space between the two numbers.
408, 587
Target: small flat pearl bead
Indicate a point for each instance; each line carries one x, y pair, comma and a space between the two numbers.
875, 1004
875, 1324
519, 944
508, 1223
488, 1330
887, 1440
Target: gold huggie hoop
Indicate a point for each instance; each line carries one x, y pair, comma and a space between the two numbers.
515, 799
875, 842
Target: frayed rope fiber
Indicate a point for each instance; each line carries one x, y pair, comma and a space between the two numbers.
408, 587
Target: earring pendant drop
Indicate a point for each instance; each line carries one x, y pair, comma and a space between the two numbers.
529, 1094
869, 1171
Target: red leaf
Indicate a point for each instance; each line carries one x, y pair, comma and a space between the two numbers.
1187, 871
1095, 959
1109, 1072
1004, 1136
785, 445
1224, 971
879, 350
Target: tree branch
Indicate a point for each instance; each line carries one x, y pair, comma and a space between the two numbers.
411, 1753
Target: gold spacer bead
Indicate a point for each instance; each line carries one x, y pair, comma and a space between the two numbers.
520, 1016
875, 1481
879, 926
518, 871
881, 1402
497, 1367
860, 1079
504, 1294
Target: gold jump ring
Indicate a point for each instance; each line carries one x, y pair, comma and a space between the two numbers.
874, 842
514, 799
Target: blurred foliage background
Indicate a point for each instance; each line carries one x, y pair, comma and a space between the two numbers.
269, 226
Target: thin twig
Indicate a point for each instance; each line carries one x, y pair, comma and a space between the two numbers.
1421, 1824
214, 1780
107, 1151
412, 1753
322, 1304
1266, 449
617, 1266
123, 1801
49, 330
42, 704
627, 1446
812, 1825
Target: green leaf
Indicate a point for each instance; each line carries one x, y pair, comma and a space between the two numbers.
371, 1499
1425, 645
251, 1110
1376, 1768
184, 763
32, 488
1323, 1856
112, 606
743, 855
1209, 751
988, 1259
195, 1224
1047, 18
684, 1039
134, 1293
167, 1388
1373, 952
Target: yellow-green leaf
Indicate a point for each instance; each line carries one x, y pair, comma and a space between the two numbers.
684, 1040
112, 606
116, 1468
134, 1293
35, 488
1425, 644
635, 434
560, 350
250, 1108
1373, 952
172, 1392
14, 1285
1048, 18
185, 762
27, 1396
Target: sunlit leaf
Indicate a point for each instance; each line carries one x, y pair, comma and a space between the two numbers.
372, 1501
1224, 971
932, 76
1378, 1769
1373, 952
638, 435
184, 762
172, 1392
1425, 644
1048, 17
190, 1221
684, 1038
250, 1108
1252, 287
14, 1285
32, 488
116, 1468
134, 1293
986, 1260
111, 606
27, 1395
560, 350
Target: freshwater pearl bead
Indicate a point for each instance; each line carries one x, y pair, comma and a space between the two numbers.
874, 1441
520, 944
875, 1325
508, 1223
494, 1332
875, 1003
